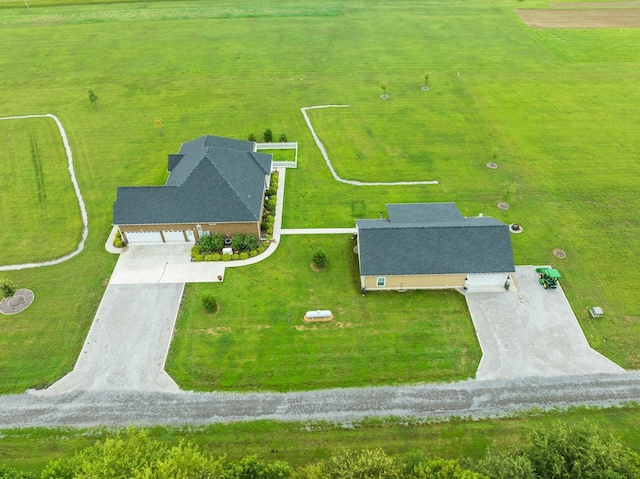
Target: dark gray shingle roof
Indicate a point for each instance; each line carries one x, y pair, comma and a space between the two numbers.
412, 245
207, 184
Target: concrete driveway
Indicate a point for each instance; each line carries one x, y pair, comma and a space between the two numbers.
163, 263
531, 332
128, 342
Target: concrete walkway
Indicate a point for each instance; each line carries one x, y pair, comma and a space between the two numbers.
531, 332
128, 342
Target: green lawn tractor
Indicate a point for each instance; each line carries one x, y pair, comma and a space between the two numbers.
548, 277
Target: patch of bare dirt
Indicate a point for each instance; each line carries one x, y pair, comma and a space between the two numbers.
576, 18
214, 331
563, 5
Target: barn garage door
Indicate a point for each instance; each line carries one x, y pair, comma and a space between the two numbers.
172, 236
146, 237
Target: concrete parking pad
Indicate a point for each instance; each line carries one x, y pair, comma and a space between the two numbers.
531, 332
128, 342
163, 263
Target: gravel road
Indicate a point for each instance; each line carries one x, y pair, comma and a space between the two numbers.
476, 399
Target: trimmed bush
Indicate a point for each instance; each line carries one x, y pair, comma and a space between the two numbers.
117, 243
267, 136
237, 242
7, 288
197, 257
270, 219
271, 204
118, 235
252, 137
244, 255
269, 230
235, 256
253, 253
216, 257
250, 242
265, 244
283, 138
260, 250
226, 257
320, 259
209, 303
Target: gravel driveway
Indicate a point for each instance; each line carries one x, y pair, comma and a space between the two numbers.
474, 399
531, 332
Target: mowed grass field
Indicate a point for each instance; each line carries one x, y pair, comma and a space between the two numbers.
556, 106
258, 341
39, 212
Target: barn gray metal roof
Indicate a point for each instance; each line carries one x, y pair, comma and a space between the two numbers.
211, 180
433, 238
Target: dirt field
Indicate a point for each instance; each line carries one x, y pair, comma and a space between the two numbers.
574, 18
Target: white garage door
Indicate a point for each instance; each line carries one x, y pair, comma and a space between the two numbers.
173, 236
486, 281
146, 237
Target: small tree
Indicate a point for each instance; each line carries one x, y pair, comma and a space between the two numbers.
268, 135
209, 303
320, 259
384, 85
7, 288
252, 137
425, 77
93, 98
283, 138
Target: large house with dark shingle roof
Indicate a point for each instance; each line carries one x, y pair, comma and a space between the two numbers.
215, 185
432, 246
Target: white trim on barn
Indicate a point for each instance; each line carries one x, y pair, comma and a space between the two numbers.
486, 282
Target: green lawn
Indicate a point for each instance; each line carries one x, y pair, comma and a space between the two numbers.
258, 341
558, 107
39, 212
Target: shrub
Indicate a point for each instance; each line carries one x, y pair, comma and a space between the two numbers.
270, 219
235, 256
253, 253
197, 257
264, 225
269, 230
271, 204
209, 244
320, 259
226, 257
209, 257
265, 244
252, 137
216, 257
117, 243
209, 303
260, 250
283, 138
268, 236
237, 242
244, 255
7, 288
250, 242
118, 235
268, 135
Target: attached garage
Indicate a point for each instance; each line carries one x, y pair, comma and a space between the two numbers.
144, 237
483, 282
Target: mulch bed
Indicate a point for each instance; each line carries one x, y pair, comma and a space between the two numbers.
575, 18
17, 303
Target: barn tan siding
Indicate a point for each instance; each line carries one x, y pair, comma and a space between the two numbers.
428, 281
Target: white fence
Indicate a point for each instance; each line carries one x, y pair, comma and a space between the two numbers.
292, 145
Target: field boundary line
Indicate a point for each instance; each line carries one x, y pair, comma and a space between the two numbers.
76, 187
335, 175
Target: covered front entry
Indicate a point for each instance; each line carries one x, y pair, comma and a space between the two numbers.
144, 237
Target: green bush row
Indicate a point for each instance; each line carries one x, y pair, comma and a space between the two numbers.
214, 243
197, 257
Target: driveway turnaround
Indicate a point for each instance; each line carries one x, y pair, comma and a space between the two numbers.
474, 399
128, 342
531, 332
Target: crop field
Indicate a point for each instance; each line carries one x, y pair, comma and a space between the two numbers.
555, 108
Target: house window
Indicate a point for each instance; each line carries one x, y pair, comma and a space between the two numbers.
381, 282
